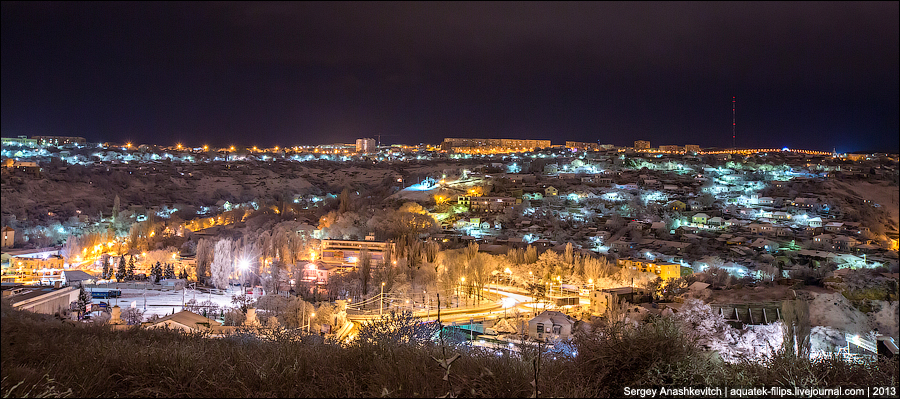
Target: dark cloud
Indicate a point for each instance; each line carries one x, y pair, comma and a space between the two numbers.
805, 74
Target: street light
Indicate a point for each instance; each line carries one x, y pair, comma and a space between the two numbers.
243, 265
381, 301
309, 321
507, 303
462, 281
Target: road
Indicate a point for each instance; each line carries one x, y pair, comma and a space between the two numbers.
510, 301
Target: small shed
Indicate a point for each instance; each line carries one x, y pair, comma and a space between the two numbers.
77, 277
184, 320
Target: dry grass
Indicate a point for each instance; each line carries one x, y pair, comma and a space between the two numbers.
43, 357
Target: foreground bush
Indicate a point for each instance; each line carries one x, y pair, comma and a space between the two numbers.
45, 357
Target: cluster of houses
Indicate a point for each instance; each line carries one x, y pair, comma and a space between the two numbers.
713, 211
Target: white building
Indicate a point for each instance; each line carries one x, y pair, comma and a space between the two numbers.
551, 325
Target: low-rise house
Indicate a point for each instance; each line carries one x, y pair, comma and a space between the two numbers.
318, 273
834, 227
700, 218
762, 244
602, 299
780, 215
77, 277
542, 243
804, 202
855, 228
533, 196
551, 191
738, 240
783, 232
665, 270
823, 241
489, 204
619, 245
755, 228
676, 206
844, 243
715, 221
551, 325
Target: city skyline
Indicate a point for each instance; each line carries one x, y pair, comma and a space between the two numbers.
816, 76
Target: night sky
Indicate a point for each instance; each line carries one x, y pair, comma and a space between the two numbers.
806, 75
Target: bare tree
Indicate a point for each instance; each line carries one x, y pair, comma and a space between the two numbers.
531, 255
133, 315
595, 268
221, 266
205, 254
480, 270
796, 328
569, 255
365, 270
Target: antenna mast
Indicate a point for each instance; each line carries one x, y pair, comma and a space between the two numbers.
732, 123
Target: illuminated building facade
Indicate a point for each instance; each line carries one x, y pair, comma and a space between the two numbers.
492, 145
365, 146
641, 145
59, 140
347, 253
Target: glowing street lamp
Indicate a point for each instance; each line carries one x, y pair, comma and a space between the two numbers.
507, 303
462, 281
243, 265
381, 301
309, 321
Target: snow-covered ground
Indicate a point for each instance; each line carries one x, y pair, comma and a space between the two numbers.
835, 311
832, 316
881, 194
165, 302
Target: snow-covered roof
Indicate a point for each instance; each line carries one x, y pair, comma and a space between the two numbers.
188, 319
76, 275
698, 286
554, 317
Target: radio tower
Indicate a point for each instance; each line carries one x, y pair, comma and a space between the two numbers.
732, 123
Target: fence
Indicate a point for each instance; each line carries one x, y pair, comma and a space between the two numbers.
750, 313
